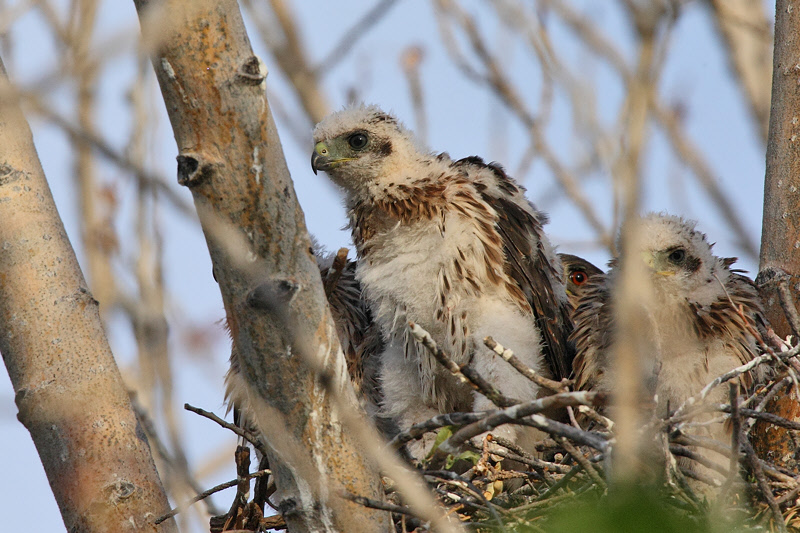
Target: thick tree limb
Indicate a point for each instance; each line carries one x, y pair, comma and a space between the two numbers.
780, 230
292, 368
68, 389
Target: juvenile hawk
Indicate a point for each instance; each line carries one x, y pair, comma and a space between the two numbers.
695, 332
453, 246
577, 274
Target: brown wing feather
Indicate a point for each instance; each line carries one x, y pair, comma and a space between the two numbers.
592, 334
526, 263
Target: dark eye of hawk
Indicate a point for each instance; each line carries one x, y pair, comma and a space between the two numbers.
677, 256
357, 141
578, 277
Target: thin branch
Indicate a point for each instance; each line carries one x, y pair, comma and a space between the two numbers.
209, 492
736, 372
774, 391
418, 430
773, 419
683, 451
242, 432
377, 504
585, 464
518, 412
180, 467
766, 492
467, 486
465, 374
106, 150
525, 370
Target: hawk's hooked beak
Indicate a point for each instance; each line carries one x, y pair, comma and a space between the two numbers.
319, 158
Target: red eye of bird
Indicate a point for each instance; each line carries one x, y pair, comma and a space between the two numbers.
578, 277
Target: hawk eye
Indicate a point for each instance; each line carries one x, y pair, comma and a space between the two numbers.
578, 277
677, 256
357, 141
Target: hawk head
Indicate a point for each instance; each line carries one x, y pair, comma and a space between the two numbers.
577, 274
680, 259
359, 145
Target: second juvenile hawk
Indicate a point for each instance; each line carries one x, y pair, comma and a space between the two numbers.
453, 246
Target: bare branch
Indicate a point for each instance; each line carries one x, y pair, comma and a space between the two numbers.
206, 493
525, 370
465, 374
68, 388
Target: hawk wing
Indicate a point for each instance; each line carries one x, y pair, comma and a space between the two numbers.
592, 333
530, 265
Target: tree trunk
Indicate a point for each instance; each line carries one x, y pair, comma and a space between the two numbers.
68, 389
780, 240
231, 159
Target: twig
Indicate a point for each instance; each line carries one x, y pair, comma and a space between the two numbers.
775, 420
468, 486
155, 440
410, 60
525, 370
736, 438
465, 374
788, 496
520, 455
533, 462
708, 480
418, 430
763, 485
585, 464
497, 80
776, 388
242, 432
560, 483
106, 150
517, 412
590, 413
209, 492
334, 272
586, 438
377, 504
781, 356
683, 451
701, 442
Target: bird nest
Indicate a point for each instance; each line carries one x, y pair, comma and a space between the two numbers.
569, 482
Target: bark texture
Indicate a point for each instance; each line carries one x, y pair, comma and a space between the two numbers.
230, 157
68, 389
780, 240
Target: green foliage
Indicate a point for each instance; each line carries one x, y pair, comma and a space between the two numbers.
442, 435
629, 509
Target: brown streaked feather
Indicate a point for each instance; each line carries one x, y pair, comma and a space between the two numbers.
526, 263
593, 318
723, 317
402, 203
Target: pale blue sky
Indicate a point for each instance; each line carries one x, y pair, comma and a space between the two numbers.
463, 120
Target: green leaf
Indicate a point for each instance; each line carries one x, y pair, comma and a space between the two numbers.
442, 435
468, 455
